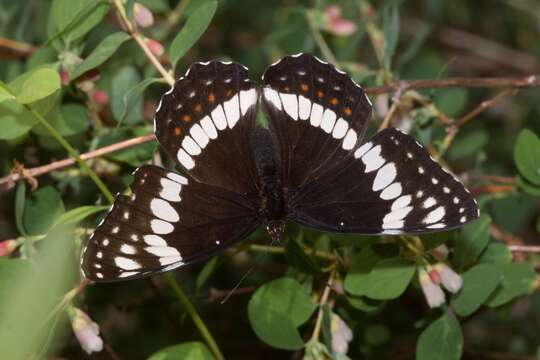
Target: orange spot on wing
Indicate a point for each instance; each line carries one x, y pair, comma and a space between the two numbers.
347, 111
286, 89
186, 118
211, 97
177, 131
304, 87
334, 101
198, 108
320, 94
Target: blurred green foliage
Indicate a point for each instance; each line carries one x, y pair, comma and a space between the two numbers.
72, 63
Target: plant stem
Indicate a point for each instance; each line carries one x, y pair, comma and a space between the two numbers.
73, 153
324, 299
194, 315
321, 43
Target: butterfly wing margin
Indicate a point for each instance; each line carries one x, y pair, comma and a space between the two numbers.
167, 222
392, 186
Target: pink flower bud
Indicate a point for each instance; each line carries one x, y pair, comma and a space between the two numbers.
142, 16
100, 97
155, 47
86, 331
7, 247
440, 252
64, 77
337, 25
449, 278
432, 291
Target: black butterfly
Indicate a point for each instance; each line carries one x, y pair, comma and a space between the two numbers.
309, 167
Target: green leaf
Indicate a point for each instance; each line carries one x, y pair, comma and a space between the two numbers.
42, 208
527, 187
479, 282
134, 96
15, 120
451, 101
274, 328
37, 85
73, 216
364, 304
72, 19
5, 93
296, 256
188, 351
518, 279
70, 120
527, 155
468, 144
123, 80
105, 49
442, 340
361, 265
471, 241
192, 30
20, 200
391, 32
496, 253
388, 279
276, 309
135, 155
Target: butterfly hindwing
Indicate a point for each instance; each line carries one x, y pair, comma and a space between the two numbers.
391, 186
168, 221
205, 122
316, 113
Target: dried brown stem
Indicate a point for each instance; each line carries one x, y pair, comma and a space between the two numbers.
7, 182
485, 105
525, 248
403, 85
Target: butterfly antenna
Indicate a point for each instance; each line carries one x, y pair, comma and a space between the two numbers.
275, 237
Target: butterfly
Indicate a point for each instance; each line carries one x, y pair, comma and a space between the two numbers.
308, 165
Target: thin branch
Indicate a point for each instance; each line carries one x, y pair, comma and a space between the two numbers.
395, 103
7, 182
485, 105
324, 300
121, 11
525, 248
513, 82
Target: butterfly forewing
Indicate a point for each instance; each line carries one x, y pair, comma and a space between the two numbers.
317, 115
205, 122
168, 221
392, 186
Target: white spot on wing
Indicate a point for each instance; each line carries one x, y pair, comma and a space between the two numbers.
316, 115
190, 146
434, 215
185, 159
391, 192
198, 134
362, 150
429, 202
208, 127
384, 177
396, 215
340, 129
154, 240
163, 251
401, 202
272, 97
161, 227
170, 190
304, 107
350, 140
178, 178
218, 116
328, 120
126, 264
164, 210
232, 110
127, 249
372, 159
248, 98
290, 104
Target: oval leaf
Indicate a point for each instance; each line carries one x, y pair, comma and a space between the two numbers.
442, 340
479, 283
471, 241
188, 351
101, 53
41, 210
75, 215
527, 155
193, 29
518, 279
38, 84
